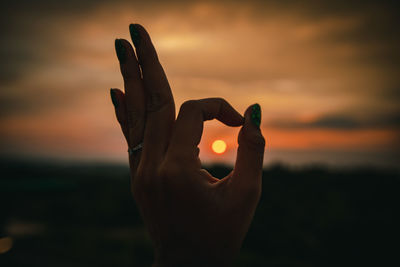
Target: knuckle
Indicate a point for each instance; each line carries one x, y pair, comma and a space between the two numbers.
156, 100
169, 170
255, 141
221, 100
189, 106
259, 140
130, 73
135, 118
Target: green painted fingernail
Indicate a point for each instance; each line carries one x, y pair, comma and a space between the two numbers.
121, 51
114, 98
134, 34
256, 115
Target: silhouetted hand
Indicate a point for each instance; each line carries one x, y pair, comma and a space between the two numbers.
193, 218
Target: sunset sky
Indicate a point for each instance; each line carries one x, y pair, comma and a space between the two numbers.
327, 75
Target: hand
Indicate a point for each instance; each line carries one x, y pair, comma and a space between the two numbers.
192, 217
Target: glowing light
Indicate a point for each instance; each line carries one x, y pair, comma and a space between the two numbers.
179, 42
218, 146
5, 244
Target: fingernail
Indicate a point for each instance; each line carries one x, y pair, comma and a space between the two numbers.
121, 51
114, 98
134, 34
256, 115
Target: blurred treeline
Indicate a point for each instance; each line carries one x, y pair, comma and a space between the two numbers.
60, 214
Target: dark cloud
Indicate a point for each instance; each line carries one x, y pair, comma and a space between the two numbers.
57, 61
339, 122
22, 25
333, 122
28, 40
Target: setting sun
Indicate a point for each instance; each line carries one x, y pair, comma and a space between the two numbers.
218, 146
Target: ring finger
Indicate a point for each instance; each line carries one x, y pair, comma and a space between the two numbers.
134, 99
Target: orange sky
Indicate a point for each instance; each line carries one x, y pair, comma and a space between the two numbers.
324, 77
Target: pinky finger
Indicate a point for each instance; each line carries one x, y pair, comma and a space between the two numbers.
118, 100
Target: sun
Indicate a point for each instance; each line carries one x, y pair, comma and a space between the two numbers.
218, 146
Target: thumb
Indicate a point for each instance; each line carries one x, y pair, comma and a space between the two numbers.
250, 155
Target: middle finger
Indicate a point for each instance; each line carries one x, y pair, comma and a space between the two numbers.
134, 97
160, 107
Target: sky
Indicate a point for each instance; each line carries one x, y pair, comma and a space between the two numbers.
326, 74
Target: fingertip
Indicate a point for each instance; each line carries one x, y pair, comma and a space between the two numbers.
256, 115
118, 100
253, 115
229, 114
123, 50
127, 45
137, 27
138, 34
116, 97
135, 35
250, 134
235, 119
120, 51
117, 91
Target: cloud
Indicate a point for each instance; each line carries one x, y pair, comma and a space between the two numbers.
338, 122
294, 58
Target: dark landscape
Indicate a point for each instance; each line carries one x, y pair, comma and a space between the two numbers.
64, 214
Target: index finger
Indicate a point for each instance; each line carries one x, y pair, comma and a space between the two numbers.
188, 127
